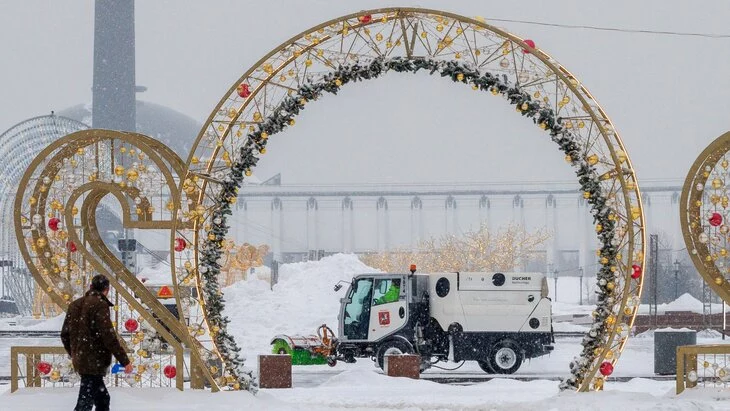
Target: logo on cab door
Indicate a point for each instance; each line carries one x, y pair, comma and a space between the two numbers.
384, 318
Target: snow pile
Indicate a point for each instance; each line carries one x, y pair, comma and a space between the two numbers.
685, 302
303, 300
709, 333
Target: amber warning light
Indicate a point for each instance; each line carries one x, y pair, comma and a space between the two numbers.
413, 268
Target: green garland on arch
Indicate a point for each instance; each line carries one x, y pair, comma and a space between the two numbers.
282, 117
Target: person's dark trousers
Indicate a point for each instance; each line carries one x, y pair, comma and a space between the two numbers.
92, 392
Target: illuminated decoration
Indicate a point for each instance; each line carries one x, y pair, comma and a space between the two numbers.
180, 244
55, 222
705, 211
131, 325
636, 271
170, 371
606, 368
238, 260
327, 57
44, 367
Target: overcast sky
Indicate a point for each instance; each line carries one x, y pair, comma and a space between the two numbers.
667, 95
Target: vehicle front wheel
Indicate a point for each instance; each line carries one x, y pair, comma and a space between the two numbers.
486, 367
505, 357
392, 347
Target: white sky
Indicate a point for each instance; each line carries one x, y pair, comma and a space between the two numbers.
666, 94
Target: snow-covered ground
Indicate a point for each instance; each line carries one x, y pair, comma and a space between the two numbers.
359, 390
304, 299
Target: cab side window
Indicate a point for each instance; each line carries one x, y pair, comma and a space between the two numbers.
386, 291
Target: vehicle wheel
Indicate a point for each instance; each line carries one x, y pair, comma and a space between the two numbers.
486, 367
505, 357
392, 347
331, 361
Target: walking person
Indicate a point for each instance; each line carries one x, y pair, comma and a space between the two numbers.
89, 338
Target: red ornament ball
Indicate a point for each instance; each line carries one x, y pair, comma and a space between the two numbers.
71, 246
606, 368
715, 219
637, 271
53, 224
529, 43
131, 325
365, 19
180, 244
170, 371
44, 367
243, 90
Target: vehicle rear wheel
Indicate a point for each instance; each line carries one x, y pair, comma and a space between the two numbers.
505, 357
392, 347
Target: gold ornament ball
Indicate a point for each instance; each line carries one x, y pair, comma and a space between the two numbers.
592, 159
716, 183
248, 173
55, 376
598, 384
719, 280
460, 77
586, 195
132, 175
119, 170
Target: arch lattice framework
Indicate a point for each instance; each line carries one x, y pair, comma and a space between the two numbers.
267, 97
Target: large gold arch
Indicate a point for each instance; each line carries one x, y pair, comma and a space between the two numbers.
235, 128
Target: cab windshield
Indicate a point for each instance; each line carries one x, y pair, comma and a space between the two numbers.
357, 310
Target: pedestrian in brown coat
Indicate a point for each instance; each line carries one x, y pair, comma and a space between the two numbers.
90, 340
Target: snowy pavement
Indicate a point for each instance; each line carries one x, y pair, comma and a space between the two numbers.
364, 390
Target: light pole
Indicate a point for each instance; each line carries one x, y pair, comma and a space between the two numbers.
580, 270
676, 279
555, 278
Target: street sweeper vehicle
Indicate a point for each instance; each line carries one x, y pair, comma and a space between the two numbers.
497, 319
